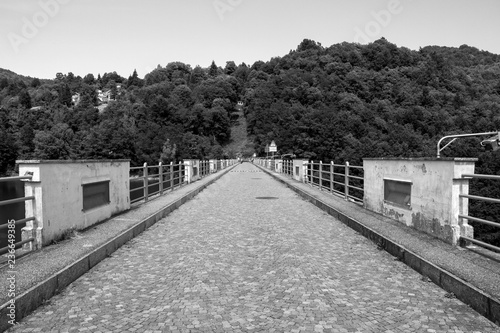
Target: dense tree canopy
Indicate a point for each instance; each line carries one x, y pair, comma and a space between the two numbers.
342, 102
174, 106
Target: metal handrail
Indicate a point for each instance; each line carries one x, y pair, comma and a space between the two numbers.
17, 245
482, 244
481, 176
8, 179
177, 177
477, 197
476, 219
17, 200
354, 187
18, 222
319, 172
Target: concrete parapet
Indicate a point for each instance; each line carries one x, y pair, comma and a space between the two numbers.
72, 195
422, 193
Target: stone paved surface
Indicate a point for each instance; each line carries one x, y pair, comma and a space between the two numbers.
230, 262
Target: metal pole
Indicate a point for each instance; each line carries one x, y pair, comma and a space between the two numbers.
320, 175
346, 180
172, 176
331, 176
160, 175
146, 182
455, 136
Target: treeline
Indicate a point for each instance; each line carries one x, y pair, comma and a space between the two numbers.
350, 101
175, 112
342, 103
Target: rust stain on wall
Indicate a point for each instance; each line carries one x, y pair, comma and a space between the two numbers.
391, 213
422, 167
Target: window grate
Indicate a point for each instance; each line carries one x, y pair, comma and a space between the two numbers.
95, 194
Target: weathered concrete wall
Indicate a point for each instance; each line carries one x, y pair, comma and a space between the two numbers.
299, 169
58, 190
278, 166
435, 188
213, 166
192, 170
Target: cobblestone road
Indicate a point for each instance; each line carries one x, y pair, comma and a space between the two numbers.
248, 255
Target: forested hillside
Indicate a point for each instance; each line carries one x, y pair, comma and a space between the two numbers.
350, 101
174, 113
342, 103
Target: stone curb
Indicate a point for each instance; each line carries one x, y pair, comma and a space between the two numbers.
483, 303
32, 298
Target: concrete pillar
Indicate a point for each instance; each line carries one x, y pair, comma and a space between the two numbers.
299, 171
33, 229
278, 166
188, 171
422, 193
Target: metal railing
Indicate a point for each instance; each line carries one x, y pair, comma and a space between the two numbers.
342, 179
163, 178
204, 168
287, 167
4, 228
153, 180
476, 219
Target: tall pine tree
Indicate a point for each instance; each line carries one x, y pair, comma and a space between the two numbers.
213, 69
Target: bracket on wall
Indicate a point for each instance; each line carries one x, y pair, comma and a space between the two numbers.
456, 136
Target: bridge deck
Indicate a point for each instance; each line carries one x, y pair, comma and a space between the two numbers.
247, 254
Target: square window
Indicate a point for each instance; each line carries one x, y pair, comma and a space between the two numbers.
95, 194
398, 192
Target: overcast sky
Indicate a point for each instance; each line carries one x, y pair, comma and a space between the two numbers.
42, 37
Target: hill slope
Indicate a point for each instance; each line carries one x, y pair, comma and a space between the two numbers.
240, 145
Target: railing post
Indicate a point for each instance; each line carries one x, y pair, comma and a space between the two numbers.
182, 173
146, 181
160, 175
308, 173
346, 181
172, 176
304, 172
320, 175
331, 176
